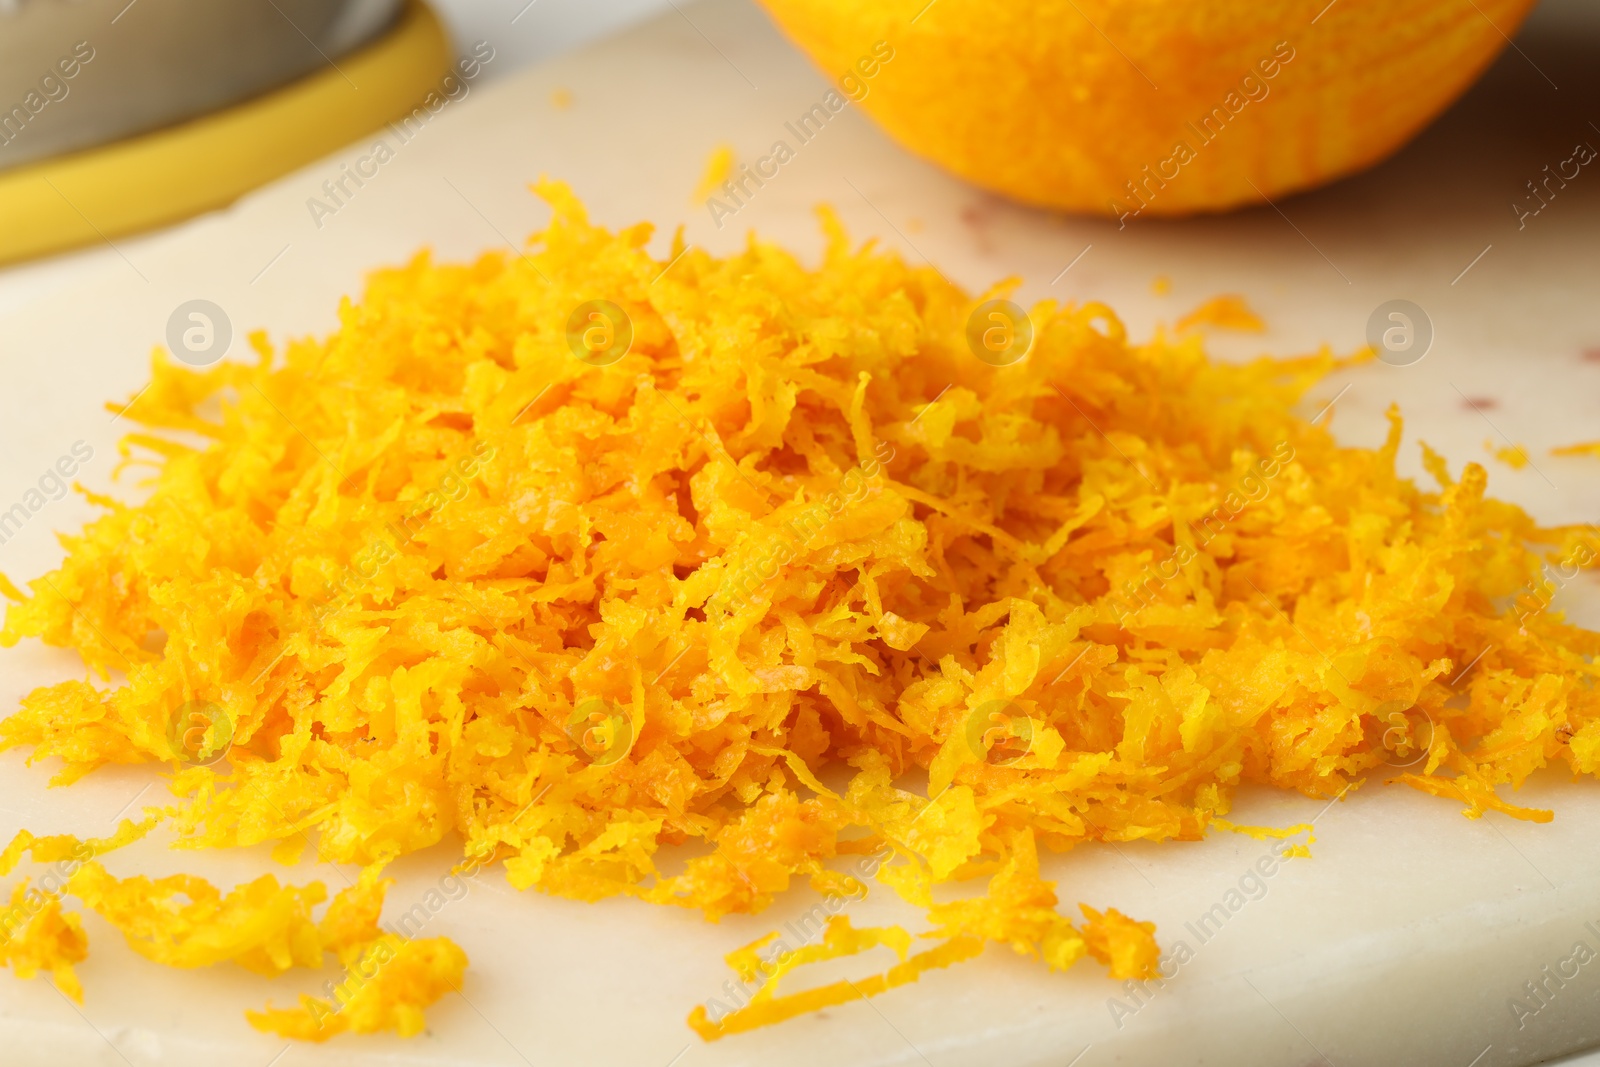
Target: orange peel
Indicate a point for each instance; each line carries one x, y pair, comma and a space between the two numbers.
1149, 107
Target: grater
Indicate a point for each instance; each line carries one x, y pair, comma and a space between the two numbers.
80, 73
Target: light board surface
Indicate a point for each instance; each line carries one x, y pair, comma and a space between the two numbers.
1401, 941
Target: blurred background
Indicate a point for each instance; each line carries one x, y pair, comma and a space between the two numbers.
545, 28
163, 72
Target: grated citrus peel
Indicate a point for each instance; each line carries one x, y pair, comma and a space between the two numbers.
742, 589
37, 936
1582, 448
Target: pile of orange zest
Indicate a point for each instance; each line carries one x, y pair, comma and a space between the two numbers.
799, 582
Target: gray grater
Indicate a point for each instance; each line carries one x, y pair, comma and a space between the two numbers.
79, 73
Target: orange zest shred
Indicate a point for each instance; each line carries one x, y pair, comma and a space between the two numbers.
1582, 448
1264, 833
350, 923
719, 167
1127, 947
839, 939
184, 921
744, 589
37, 936
61, 848
1228, 312
387, 985
1513, 456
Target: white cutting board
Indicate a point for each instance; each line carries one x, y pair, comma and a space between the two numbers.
1400, 942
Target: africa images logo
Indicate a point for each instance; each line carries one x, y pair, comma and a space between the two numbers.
599, 333
999, 332
600, 731
999, 733
200, 733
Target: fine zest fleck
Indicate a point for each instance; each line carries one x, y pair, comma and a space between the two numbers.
1513, 456
1224, 313
719, 164
789, 550
1583, 448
